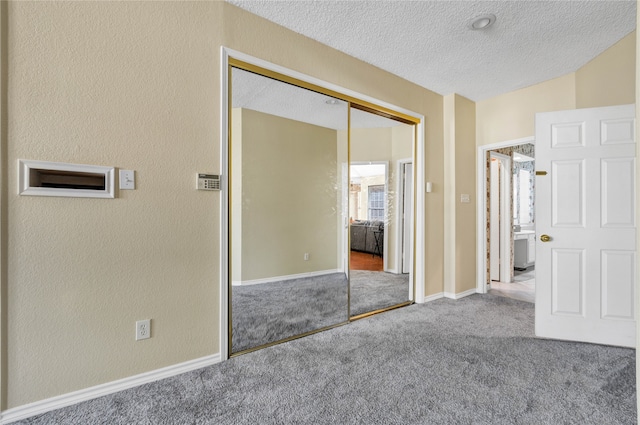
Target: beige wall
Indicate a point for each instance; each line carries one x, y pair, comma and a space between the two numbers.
449, 124
609, 79
460, 227
288, 196
136, 86
465, 157
606, 80
111, 84
511, 115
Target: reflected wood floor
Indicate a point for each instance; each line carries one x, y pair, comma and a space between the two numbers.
365, 261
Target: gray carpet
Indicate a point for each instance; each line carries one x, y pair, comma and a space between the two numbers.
372, 291
470, 361
275, 311
270, 312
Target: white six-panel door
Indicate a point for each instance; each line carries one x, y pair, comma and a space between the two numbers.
585, 204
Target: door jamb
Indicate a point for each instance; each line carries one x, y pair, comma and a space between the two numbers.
481, 195
505, 216
399, 209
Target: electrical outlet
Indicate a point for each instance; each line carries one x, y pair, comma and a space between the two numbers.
143, 329
306, 256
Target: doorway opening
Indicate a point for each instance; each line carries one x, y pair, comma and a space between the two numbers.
506, 219
368, 196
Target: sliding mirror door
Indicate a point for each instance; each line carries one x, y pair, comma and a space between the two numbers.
380, 212
287, 211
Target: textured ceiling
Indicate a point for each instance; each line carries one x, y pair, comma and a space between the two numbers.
262, 94
430, 44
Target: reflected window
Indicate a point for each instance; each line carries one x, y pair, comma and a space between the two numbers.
376, 202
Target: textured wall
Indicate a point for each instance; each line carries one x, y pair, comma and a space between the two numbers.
130, 85
609, 79
465, 155
289, 197
460, 222
136, 86
511, 116
606, 80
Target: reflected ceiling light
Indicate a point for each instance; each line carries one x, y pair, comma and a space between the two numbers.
482, 22
332, 102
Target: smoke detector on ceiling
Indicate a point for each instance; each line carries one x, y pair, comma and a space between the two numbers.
482, 22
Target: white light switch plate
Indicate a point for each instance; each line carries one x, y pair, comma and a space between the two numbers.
464, 198
127, 179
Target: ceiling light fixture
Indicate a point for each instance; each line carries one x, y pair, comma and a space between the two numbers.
332, 102
482, 22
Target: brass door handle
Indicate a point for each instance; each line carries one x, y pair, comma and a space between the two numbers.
545, 238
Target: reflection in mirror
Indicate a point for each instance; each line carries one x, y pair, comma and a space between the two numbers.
288, 211
523, 190
380, 212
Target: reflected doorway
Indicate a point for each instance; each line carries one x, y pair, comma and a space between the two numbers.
367, 206
380, 272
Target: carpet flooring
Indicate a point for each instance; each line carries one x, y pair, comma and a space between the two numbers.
270, 312
372, 291
468, 361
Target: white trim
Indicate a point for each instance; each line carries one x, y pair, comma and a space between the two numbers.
25, 188
53, 403
481, 184
459, 295
433, 297
399, 207
505, 216
286, 277
315, 81
419, 170
419, 167
223, 336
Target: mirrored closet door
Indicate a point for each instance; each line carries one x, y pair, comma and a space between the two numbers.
320, 208
380, 212
288, 211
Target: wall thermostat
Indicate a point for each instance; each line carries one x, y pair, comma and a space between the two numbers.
208, 182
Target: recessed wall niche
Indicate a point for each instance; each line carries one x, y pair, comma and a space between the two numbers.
43, 178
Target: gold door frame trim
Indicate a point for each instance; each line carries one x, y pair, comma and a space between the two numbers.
352, 102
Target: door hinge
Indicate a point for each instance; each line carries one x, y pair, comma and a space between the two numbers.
541, 173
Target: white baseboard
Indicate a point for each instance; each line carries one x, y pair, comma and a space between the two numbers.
459, 295
433, 297
286, 277
47, 405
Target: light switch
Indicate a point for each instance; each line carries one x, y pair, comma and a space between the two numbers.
464, 198
127, 179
